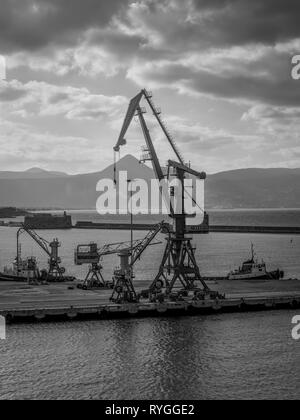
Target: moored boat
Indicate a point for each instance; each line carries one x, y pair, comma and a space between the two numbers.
254, 270
21, 271
27, 271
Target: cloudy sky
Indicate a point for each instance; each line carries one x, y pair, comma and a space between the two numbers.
219, 69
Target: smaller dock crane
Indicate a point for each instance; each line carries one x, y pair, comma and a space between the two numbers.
124, 291
91, 255
55, 272
129, 253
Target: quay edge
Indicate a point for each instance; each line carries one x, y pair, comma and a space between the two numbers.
108, 310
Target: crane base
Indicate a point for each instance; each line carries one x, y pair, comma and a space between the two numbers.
178, 266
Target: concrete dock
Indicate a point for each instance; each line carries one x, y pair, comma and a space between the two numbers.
21, 302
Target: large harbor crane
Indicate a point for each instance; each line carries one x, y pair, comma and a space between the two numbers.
179, 265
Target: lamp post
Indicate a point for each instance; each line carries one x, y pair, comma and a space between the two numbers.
131, 220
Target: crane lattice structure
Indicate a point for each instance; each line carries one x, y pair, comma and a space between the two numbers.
179, 265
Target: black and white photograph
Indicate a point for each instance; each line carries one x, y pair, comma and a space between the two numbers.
149, 202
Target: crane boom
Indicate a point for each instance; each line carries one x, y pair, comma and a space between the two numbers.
143, 245
39, 240
137, 247
157, 113
186, 169
133, 106
156, 165
87, 254
133, 110
112, 249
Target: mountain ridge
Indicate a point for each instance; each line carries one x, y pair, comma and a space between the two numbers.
32, 173
128, 159
244, 188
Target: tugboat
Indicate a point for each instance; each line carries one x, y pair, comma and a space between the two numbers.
253, 270
21, 271
27, 271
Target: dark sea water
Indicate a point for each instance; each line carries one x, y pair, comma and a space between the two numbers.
206, 357
216, 357
260, 217
217, 217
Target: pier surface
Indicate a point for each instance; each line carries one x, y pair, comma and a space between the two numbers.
21, 302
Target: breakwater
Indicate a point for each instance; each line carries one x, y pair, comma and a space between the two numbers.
293, 230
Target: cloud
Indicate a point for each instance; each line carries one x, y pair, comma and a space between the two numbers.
23, 147
37, 24
240, 22
84, 60
235, 50
197, 23
282, 123
42, 99
249, 74
205, 147
26, 145
281, 126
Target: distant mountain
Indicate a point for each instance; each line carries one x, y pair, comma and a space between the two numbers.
246, 188
39, 190
254, 188
33, 173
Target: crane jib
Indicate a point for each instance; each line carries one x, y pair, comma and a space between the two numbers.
133, 106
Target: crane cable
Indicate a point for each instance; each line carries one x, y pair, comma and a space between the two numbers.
194, 201
115, 165
185, 190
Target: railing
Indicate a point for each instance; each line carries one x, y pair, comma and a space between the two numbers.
157, 113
